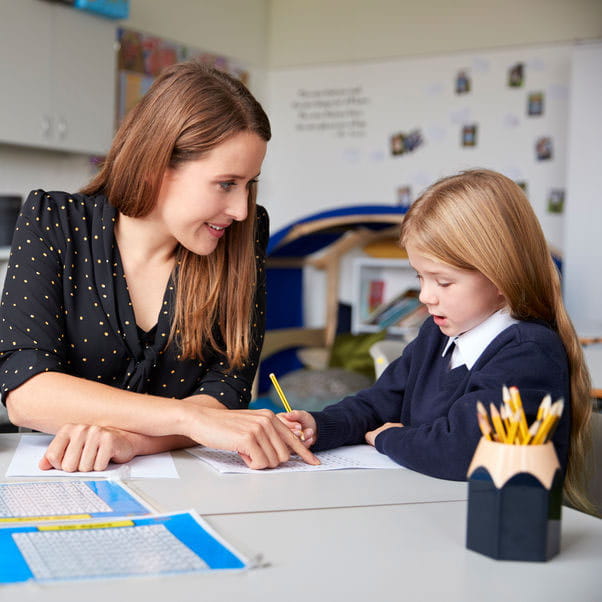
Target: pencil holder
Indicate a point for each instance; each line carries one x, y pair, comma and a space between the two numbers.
514, 501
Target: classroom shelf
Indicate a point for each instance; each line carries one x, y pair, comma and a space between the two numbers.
396, 275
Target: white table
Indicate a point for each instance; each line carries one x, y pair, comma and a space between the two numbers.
204, 489
402, 551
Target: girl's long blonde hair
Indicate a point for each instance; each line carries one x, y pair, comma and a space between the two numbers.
481, 220
189, 110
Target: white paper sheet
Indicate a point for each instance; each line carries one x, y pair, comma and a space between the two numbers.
352, 456
31, 448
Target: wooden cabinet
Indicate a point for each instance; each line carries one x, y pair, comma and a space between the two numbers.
58, 77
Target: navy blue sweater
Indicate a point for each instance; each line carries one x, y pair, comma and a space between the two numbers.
437, 406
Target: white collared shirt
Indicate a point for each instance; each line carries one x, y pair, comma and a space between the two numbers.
471, 344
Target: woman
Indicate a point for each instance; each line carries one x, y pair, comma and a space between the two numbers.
133, 312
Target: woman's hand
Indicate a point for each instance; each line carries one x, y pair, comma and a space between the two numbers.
261, 439
370, 436
302, 424
83, 448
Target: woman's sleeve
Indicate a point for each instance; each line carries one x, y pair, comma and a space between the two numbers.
444, 447
32, 336
233, 387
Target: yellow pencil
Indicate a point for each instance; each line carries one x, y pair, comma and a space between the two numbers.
505, 414
544, 407
533, 430
507, 398
523, 427
558, 412
512, 430
484, 426
497, 423
283, 399
549, 423
482, 411
280, 392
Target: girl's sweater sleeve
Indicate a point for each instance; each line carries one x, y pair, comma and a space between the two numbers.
346, 422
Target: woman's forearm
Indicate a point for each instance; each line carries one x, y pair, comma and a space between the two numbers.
145, 445
49, 400
53, 402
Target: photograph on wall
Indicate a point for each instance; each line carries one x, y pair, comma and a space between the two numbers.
397, 146
469, 135
462, 82
543, 148
556, 201
404, 196
535, 104
516, 75
402, 142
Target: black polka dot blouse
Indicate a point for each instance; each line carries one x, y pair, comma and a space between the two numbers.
66, 308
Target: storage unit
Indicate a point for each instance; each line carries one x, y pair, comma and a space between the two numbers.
396, 275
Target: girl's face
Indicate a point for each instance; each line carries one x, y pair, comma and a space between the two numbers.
457, 299
200, 199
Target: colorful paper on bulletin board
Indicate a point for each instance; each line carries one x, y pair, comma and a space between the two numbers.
132, 87
143, 56
113, 9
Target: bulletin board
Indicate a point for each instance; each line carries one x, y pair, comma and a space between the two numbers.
380, 132
142, 56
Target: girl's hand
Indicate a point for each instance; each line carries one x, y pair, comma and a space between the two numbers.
302, 424
370, 436
260, 438
83, 448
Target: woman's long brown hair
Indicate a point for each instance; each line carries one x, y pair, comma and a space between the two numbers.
189, 110
481, 220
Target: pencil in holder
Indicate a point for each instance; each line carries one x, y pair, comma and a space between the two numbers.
514, 501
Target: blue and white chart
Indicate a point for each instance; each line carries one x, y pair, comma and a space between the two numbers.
168, 544
67, 500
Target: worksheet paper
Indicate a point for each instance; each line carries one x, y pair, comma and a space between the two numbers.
351, 456
168, 544
32, 447
33, 501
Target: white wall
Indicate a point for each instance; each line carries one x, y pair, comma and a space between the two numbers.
333, 123
317, 33
234, 28
583, 251
331, 31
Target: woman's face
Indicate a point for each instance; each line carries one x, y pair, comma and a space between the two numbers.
200, 199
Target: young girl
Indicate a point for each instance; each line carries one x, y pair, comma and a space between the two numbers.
133, 312
497, 318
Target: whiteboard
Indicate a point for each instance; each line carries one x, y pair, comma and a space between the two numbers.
333, 127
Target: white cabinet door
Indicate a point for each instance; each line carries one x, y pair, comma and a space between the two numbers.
25, 72
83, 100
58, 77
